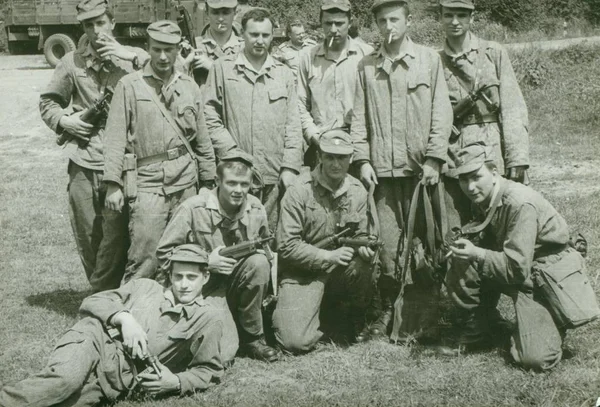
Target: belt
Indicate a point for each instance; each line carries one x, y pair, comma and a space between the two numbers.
480, 119
168, 155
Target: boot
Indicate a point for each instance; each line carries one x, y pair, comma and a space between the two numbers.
258, 349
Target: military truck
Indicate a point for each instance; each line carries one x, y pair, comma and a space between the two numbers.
52, 25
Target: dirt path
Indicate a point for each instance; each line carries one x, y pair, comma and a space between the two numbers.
554, 44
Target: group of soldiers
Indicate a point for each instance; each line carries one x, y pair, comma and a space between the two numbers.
206, 152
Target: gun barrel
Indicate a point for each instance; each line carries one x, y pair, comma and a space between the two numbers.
360, 242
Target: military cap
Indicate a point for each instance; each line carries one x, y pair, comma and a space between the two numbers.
222, 3
380, 3
343, 5
189, 253
468, 4
336, 141
87, 9
238, 155
472, 157
165, 31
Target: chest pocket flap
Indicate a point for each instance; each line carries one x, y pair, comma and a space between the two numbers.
277, 93
419, 78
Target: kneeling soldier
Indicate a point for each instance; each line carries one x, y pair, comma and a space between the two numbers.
172, 331
523, 232
316, 281
228, 216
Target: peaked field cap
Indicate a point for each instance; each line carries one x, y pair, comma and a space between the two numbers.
472, 157
336, 141
468, 4
380, 3
87, 9
222, 3
189, 253
238, 155
343, 5
165, 31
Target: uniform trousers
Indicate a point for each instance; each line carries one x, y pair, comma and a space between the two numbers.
100, 234
149, 214
307, 302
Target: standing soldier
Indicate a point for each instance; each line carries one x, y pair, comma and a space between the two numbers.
290, 50
156, 120
327, 76
251, 101
499, 116
83, 77
400, 127
218, 40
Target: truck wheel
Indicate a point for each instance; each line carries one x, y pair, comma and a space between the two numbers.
56, 46
83, 41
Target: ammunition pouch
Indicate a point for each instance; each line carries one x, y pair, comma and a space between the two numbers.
130, 177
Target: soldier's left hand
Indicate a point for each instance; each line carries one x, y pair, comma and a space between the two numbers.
465, 249
154, 385
287, 177
110, 47
366, 253
431, 172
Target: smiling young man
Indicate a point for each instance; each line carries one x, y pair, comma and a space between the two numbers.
327, 76
100, 357
524, 233
289, 52
251, 101
81, 78
400, 127
322, 286
156, 115
223, 217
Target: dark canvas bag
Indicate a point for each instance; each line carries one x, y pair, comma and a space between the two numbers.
565, 287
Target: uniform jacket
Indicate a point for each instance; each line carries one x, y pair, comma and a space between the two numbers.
310, 212
209, 46
326, 88
258, 111
290, 55
509, 137
185, 338
402, 114
81, 78
136, 125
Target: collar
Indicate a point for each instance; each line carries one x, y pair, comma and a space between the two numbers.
241, 62
148, 71
232, 42
351, 48
317, 175
92, 58
218, 214
169, 305
472, 44
407, 53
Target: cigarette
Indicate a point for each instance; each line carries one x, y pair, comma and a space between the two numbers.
330, 42
390, 38
447, 256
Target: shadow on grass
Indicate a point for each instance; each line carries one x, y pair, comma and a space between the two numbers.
64, 302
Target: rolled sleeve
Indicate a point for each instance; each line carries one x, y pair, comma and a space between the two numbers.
292, 249
115, 136
358, 131
441, 114
292, 154
512, 266
54, 101
221, 139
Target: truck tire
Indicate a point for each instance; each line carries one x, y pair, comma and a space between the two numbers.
83, 41
56, 46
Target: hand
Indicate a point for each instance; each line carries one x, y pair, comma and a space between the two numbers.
110, 47
114, 198
154, 385
367, 175
219, 264
518, 174
135, 340
464, 249
287, 177
341, 256
431, 172
72, 124
200, 60
366, 253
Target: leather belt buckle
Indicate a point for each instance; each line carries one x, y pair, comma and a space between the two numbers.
173, 153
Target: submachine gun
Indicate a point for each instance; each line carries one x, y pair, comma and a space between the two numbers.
95, 114
464, 107
184, 21
248, 248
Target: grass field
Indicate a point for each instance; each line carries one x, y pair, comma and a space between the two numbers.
43, 282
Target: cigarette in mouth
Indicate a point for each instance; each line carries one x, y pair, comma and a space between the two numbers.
390, 38
330, 42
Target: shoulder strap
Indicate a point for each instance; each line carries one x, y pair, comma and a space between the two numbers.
475, 227
479, 61
167, 115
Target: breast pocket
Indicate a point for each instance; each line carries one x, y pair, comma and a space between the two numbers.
278, 95
420, 82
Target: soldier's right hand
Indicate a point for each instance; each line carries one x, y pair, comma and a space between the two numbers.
367, 175
135, 339
114, 198
201, 60
72, 124
341, 256
219, 264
